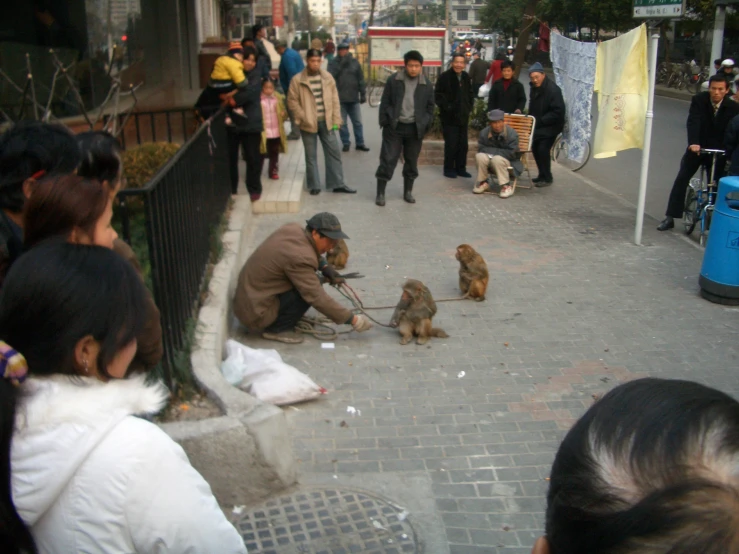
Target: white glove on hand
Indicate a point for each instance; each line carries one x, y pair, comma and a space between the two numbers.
361, 323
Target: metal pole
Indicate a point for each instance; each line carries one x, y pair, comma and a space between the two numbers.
647, 139
718, 36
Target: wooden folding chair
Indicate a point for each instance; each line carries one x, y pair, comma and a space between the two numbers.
524, 126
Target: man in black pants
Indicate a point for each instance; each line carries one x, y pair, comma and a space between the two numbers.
547, 106
406, 114
453, 93
279, 283
245, 129
708, 118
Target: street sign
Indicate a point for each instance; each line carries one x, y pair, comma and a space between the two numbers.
389, 44
659, 9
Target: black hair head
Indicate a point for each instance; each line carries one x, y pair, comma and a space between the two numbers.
458, 55
649, 469
412, 55
718, 79
28, 148
250, 51
506, 64
101, 157
313, 53
255, 29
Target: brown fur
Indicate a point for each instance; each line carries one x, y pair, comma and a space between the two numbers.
414, 313
473, 273
338, 255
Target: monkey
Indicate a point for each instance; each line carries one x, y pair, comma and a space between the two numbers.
473, 273
414, 312
338, 255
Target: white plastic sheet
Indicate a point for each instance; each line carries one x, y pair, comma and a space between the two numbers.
264, 375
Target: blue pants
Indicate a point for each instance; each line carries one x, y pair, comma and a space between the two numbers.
331, 153
352, 109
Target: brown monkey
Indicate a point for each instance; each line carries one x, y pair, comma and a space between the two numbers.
338, 255
414, 312
473, 273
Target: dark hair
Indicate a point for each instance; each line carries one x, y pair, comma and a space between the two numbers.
648, 468
60, 204
267, 80
250, 51
506, 64
27, 148
248, 37
101, 156
256, 28
500, 56
456, 55
719, 79
717, 61
55, 295
313, 53
412, 55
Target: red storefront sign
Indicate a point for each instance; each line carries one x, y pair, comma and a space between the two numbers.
278, 13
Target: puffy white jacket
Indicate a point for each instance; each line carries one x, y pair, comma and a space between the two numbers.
88, 476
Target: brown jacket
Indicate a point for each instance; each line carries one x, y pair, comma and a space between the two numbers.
287, 260
150, 349
302, 103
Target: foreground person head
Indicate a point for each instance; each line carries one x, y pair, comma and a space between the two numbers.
325, 230
651, 468
413, 61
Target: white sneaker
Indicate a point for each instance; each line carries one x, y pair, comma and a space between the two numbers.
482, 187
507, 191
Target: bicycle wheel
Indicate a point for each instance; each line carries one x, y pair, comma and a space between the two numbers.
560, 151
689, 212
375, 94
708, 214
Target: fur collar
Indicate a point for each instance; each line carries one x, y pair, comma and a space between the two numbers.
61, 399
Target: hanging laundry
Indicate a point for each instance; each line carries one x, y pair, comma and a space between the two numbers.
574, 71
622, 84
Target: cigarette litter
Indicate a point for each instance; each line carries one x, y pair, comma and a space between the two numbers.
461, 374
328, 345
402, 516
353, 411
377, 525
238, 509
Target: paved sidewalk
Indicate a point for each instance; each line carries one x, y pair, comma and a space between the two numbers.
573, 309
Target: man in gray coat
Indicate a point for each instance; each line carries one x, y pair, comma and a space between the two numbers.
498, 151
349, 78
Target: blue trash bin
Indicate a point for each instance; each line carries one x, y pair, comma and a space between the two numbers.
719, 278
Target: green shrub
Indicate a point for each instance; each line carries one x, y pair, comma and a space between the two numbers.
479, 115
141, 163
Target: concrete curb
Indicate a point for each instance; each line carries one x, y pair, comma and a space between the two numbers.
246, 454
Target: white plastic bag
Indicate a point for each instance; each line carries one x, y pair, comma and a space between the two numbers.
484, 90
263, 374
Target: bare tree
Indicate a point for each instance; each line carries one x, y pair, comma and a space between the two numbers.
527, 24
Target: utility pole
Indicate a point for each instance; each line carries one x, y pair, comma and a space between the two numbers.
718, 35
415, 13
448, 23
331, 24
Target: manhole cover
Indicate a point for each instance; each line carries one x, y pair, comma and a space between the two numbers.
327, 521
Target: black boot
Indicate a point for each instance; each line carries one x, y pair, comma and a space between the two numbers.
407, 188
380, 200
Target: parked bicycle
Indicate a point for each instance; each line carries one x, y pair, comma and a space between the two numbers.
700, 199
377, 85
559, 153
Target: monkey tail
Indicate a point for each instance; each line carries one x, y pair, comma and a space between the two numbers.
437, 332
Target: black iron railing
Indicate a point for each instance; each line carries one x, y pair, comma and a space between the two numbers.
174, 125
182, 205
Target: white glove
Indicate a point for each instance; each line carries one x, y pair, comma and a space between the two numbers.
361, 323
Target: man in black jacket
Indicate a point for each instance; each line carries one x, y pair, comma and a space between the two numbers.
507, 93
478, 71
406, 114
454, 97
245, 129
548, 108
709, 116
349, 78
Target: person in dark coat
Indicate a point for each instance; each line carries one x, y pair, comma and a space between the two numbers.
709, 116
547, 106
453, 95
349, 78
478, 72
264, 62
406, 114
244, 123
507, 93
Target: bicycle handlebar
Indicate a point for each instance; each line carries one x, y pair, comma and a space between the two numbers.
711, 151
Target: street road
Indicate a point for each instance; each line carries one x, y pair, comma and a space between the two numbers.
669, 140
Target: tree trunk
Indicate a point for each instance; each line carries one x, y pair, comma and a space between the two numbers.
665, 41
372, 13
523, 37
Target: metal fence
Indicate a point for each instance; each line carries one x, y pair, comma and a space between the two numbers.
173, 125
183, 203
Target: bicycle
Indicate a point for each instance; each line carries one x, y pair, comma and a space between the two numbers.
376, 88
559, 153
700, 199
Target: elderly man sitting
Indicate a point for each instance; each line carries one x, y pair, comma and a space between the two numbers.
278, 283
498, 151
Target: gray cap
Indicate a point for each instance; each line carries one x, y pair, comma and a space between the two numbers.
281, 44
343, 45
328, 225
496, 115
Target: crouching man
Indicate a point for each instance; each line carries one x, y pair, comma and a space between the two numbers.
278, 282
498, 151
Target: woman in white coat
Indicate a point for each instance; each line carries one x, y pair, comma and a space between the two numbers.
78, 472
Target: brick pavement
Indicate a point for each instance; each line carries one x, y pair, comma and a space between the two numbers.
573, 309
